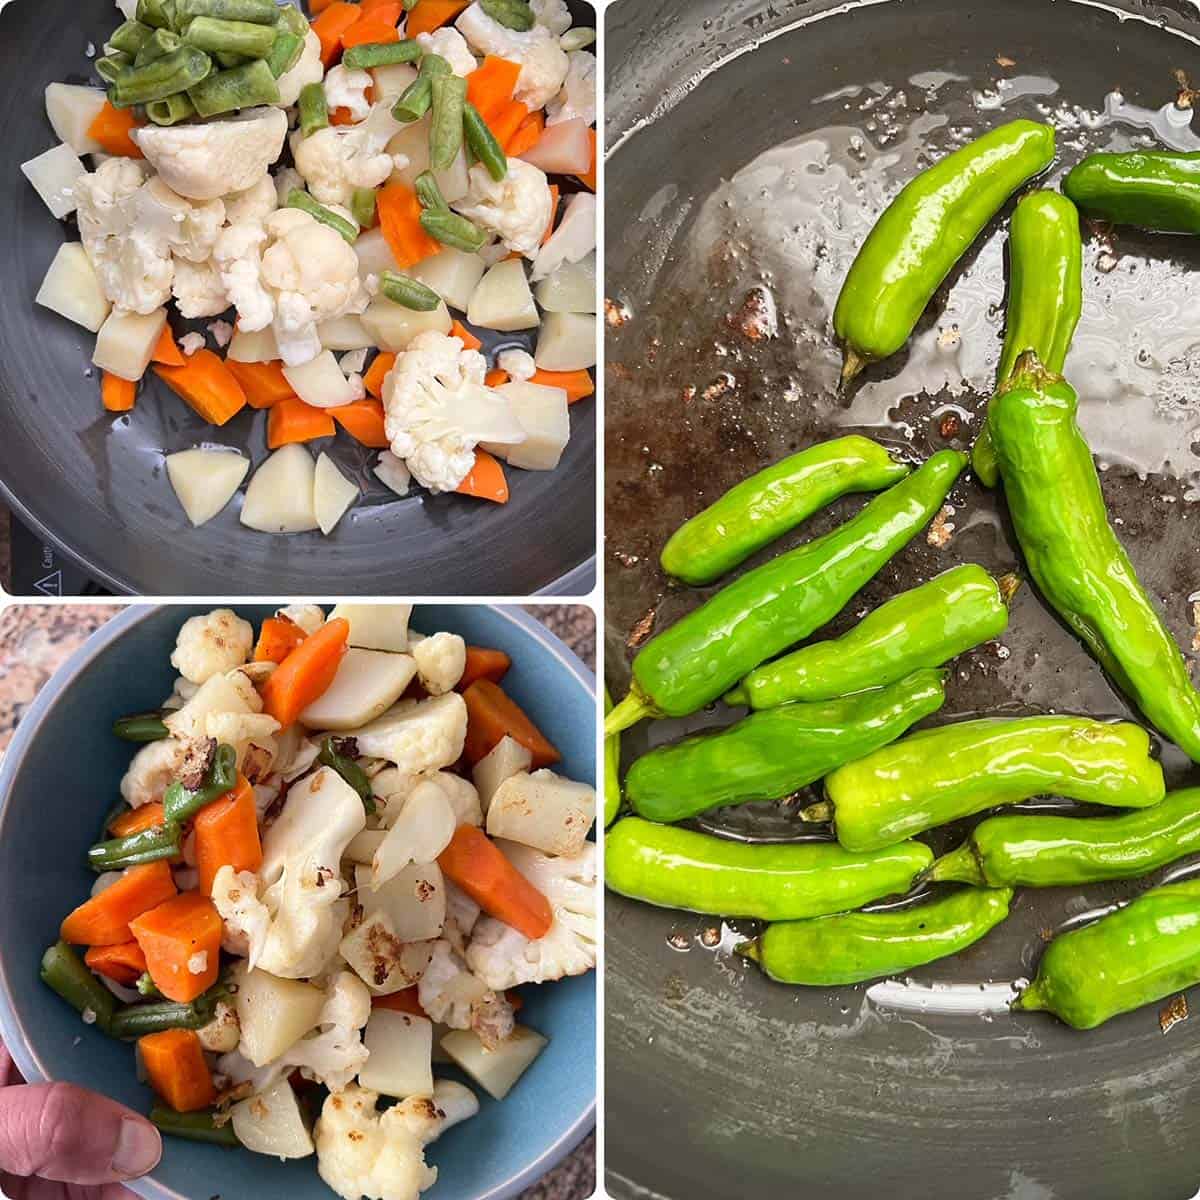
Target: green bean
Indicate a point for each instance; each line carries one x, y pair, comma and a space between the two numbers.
408, 292
260, 12
415, 100
137, 1020
291, 20
196, 1126
577, 38
362, 206
158, 45
452, 230
148, 846
381, 54
243, 87
482, 142
109, 66
314, 111
181, 802
285, 53
305, 203
128, 37
230, 37
147, 987
170, 111
512, 14
337, 754
64, 972
141, 727
158, 13
446, 123
177, 72
428, 192
229, 61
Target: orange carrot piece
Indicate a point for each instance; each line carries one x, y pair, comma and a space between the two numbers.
277, 638
588, 178
181, 940
496, 377
369, 6
377, 373
263, 382
292, 420
479, 867
505, 120
373, 26
491, 715
399, 213
483, 663
491, 85
331, 24
123, 963
104, 919
137, 820
166, 351
527, 134
405, 1001
207, 385
577, 384
468, 339
117, 394
318, 6
306, 673
110, 127
342, 116
227, 835
553, 213
363, 421
176, 1069
432, 14
485, 479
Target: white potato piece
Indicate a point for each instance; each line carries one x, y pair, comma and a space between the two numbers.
543, 413
563, 149
362, 847
333, 494
344, 333
380, 959
271, 1123
392, 81
53, 175
393, 326
126, 342
413, 142
259, 346
400, 1049
566, 342
504, 760
72, 290
418, 835
543, 810
392, 473
205, 480
367, 684
415, 900
574, 239
321, 382
280, 496
453, 274
502, 300
72, 109
376, 626
496, 1071
374, 254
571, 288
274, 1014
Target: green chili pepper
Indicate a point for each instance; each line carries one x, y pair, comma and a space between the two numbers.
1045, 295
428, 192
1136, 955
305, 203
853, 947
452, 230
512, 14
147, 987
482, 142
925, 231
780, 603
64, 971
362, 206
148, 846
128, 37
314, 109
1049, 851
336, 754
677, 868
109, 66
180, 803
170, 111
923, 627
381, 54
207, 1126
142, 727
243, 87
160, 14
231, 37
177, 72
138, 1020
769, 503
939, 775
1152, 189
285, 53
774, 753
446, 121
612, 770
1057, 508
578, 38
415, 100
158, 45
260, 12
408, 292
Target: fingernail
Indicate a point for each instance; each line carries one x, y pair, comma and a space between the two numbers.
139, 1147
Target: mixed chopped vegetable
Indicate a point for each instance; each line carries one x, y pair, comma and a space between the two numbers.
338, 849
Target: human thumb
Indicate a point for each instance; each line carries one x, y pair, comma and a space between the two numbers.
58, 1131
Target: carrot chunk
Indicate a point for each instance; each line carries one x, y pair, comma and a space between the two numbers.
368, 29
181, 940
330, 25
166, 351
227, 835
137, 820
277, 638
432, 14
491, 85
176, 1069
491, 715
399, 213
123, 963
478, 866
577, 384
306, 673
483, 663
110, 127
588, 178
291, 420
527, 135
363, 421
104, 919
485, 480
404, 1001
468, 339
377, 372
207, 385
117, 394
264, 383
496, 377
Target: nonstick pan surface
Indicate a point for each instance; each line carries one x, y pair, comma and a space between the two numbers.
753, 146
96, 486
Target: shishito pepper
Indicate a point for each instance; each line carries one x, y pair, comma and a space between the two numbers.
1057, 508
852, 947
780, 603
923, 232
1136, 955
612, 770
772, 753
1152, 189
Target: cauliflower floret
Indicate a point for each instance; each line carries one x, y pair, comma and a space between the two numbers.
310, 617
503, 958
237, 257
222, 1033
256, 203
189, 227
336, 1054
449, 993
321, 816
198, 289
517, 208
308, 69
336, 160
191, 342
554, 14
441, 660
429, 1118
212, 644
449, 44
152, 769
365, 1153
307, 915
578, 95
346, 87
252, 737
518, 364
543, 61
287, 179
107, 197
245, 919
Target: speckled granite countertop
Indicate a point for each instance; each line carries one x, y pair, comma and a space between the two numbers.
36, 639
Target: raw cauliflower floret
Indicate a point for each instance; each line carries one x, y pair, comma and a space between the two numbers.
212, 644
237, 256
189, 227
554, 14
346, 87
449, 44
152, 769
286, 180
428, 1118
362, 1153
310, 617
516, 208
308, 69
578, 95
336, 160
503, 958
441, 661
449, 993
198, 289
543, 61
256, 203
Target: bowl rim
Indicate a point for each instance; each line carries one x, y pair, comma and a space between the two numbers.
12, 1032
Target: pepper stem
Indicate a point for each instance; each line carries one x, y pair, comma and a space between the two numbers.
737, 695
959, 866
634, 708
1030, 1000
1028, 368
821, 811
852, 365
1008, 585
750, 950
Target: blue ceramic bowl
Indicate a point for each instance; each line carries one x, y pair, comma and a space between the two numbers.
60, 776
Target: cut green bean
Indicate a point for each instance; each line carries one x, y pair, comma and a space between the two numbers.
141, 727
260, 12
208, 1126
362, 205
446, 123
285, 53
482, 142
147, 987
314, 111
170, 111
408, 292
230, 37
160, 14
148, 846
137, 1020
381, 54
64, 971
578, 38
452, 230
243, 87
415, 100
305, 203
109, 66
181, 802
177, 72
128, 37
229, 61
428, 192
291, 20
158, 45
512, 14
336, 754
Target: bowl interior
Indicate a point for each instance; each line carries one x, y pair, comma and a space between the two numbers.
60, 776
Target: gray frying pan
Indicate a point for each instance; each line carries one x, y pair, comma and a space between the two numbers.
753, 146
96, 487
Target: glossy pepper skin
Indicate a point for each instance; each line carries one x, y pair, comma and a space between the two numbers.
921, 628
1049, 851
612, 770
774, 500
856, 946
677, 868
925, 231
1152, 189
1057, 508
939, 775
1045, 297
772, 753
1137, 955
780, 603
